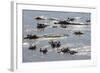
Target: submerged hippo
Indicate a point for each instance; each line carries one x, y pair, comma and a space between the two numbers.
44, 51
67, 50
32, 47
31, 37
78, 33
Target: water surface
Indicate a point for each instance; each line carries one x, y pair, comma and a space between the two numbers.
71, 40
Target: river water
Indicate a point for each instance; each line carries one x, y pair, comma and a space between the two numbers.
82, 43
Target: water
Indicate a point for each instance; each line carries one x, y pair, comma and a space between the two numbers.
81, 43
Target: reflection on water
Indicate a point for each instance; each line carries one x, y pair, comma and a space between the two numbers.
81, 43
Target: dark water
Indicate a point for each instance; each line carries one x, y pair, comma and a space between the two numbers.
71, 40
